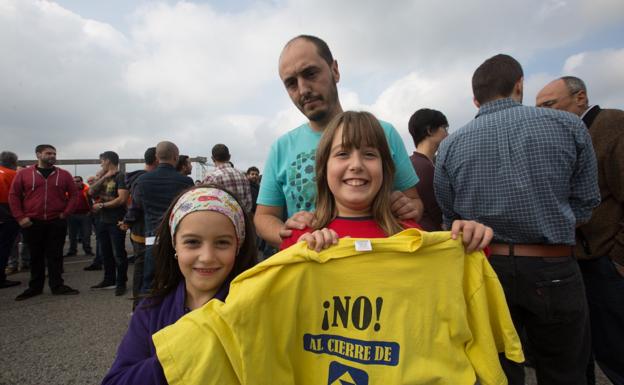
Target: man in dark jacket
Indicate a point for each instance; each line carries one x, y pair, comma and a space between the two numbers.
153, 193
135, 221
41, 198
600, 242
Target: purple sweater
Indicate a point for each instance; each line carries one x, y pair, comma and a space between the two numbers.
136, 361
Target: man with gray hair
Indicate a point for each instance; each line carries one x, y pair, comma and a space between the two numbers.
600, 242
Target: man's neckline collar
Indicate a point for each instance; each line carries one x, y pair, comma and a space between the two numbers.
223, 165
590, 115
497, 105
588, 110
312, 130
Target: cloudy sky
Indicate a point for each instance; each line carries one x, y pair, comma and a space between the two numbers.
89, 76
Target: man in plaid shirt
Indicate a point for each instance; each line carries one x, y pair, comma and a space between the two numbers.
530, 174
231, 179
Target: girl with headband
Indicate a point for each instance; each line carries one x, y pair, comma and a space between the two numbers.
205, 240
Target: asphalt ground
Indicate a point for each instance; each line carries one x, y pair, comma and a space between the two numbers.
66, 340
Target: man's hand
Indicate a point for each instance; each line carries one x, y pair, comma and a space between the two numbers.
320, 239
62, 216
123, 226
619, 268
299, 221
404, 207
476, 236
25, 222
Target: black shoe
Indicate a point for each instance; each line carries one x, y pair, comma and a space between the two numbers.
8, 283
120, 290
28, 293
70, 254
93, 268
64, 290
89, 253
104, 285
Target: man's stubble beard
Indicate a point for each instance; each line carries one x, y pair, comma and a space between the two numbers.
331, 101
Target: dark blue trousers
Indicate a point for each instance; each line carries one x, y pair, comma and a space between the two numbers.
113, 247
605, 296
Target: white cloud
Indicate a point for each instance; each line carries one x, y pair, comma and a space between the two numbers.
448, 91
190, 57
196, 75
602, 71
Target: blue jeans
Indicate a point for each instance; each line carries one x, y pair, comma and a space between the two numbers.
80, 224
605, 296
20, 254
112, 242
97, 260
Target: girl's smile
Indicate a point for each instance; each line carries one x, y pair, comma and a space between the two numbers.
354, 177
206, 251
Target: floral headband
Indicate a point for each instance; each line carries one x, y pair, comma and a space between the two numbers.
209, 199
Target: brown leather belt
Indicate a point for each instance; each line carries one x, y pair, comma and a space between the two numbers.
520, 250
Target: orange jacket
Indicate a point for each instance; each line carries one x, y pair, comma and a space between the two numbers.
6, 177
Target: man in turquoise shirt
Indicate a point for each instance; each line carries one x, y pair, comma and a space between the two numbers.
310, 74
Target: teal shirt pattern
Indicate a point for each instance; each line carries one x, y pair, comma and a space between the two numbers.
289, 178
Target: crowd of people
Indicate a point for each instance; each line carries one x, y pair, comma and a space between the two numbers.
539, 189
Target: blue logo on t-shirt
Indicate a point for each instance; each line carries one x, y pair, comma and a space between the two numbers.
302, 181
340, 374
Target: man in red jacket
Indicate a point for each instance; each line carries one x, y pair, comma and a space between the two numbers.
41, 198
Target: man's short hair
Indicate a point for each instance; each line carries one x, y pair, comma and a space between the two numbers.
182, 159
43, 147
574, 84
321, 47
252, 168
150, 156
110, 156
495, 78
8, 159
220, 153
423, 122
78, 177
167, 151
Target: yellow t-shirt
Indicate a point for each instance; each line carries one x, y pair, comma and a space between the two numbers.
413, 310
